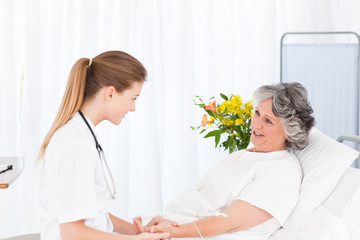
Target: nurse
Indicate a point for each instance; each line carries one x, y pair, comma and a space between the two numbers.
76, 186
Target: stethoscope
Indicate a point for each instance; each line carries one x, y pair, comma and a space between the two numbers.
107, 174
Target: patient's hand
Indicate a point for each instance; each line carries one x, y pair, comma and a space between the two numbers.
139, 228
156, 220
162, 227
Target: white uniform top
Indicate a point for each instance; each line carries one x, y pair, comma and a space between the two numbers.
72, 184
270, 181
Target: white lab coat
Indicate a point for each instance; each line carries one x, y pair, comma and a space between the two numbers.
72, 185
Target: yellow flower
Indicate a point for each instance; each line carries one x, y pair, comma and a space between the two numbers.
239, 121
211, 121
236, 99
228, 122
222, 107
234, 104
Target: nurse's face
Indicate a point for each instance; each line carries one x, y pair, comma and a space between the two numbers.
267, 132
123, 102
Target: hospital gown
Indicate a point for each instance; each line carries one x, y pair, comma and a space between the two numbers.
270, 181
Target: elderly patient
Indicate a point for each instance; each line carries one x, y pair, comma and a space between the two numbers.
250, 194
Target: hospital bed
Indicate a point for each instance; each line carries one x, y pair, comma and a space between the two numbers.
329, 203
338, 218
327, 64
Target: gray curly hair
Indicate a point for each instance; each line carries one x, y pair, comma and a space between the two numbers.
291, 106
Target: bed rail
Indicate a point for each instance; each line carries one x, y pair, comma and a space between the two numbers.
354, 139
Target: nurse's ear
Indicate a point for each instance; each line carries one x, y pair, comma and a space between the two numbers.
109, 93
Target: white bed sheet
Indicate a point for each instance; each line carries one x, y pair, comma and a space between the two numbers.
344, 202
338, 218
321, 225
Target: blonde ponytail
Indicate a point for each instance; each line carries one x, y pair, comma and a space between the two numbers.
71, 102
87, 77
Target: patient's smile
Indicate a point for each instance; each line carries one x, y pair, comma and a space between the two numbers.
257, 134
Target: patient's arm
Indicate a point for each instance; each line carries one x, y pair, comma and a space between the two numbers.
241, 216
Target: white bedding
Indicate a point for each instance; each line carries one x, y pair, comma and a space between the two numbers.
338, 218
321, 225
345, 202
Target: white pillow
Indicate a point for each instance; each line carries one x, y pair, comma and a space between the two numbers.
323, 161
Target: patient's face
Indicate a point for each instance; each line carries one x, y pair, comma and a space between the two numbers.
267, 132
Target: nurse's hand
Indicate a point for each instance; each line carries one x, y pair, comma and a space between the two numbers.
152, 236
139, 228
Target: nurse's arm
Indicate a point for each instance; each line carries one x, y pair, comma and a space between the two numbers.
79, 231
241, 216
122, 226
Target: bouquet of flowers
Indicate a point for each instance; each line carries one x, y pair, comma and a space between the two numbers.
231, 118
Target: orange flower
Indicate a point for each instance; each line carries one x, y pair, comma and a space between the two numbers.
211, 107
205, 120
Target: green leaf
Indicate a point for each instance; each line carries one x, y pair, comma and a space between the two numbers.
211, 134
210, 113
201, 105
193, 128
202, 131
217, 138
224, 96
233, 145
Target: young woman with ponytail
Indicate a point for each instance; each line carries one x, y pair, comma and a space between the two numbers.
76, 186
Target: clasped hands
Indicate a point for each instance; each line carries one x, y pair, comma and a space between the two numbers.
156, 225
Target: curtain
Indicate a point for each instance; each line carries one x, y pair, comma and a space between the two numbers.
318, 65
202, 47
11, 69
